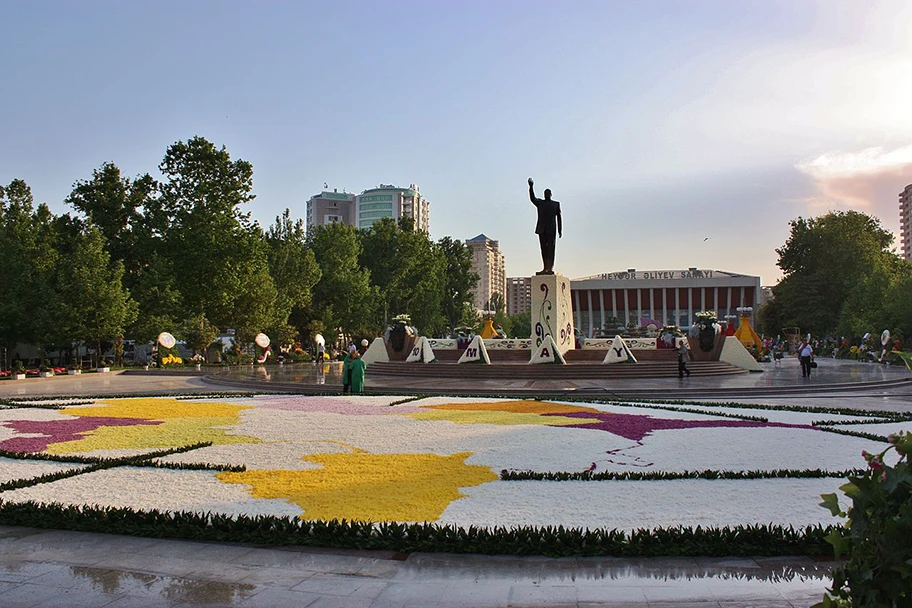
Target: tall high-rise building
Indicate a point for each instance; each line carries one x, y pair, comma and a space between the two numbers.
905, 222
519, 295
362, 210
330, 208
488, 264
390, 201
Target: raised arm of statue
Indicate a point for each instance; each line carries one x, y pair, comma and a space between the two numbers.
532, 192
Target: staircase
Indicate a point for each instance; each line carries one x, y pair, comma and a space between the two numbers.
572, 371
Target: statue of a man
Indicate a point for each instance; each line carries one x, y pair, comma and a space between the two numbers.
546, 228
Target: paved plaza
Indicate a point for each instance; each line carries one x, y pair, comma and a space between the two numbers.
64, 568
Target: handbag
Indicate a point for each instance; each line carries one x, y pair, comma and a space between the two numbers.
813, 364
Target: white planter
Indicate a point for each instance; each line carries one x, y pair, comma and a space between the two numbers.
18, 376
46, 374
74, 372
103, 370
145, 368
199, 366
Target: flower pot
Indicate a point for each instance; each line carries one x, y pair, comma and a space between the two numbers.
74, 372
103, 370
199, 366
18, 376
706, 343
45, 374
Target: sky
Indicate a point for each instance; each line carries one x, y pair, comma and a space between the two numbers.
675, 134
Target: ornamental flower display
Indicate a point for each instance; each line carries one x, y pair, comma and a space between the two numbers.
705, 330
399, 332
444, 460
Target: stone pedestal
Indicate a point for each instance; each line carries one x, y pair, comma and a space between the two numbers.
552, 311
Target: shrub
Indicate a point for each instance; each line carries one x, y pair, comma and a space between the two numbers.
877, 532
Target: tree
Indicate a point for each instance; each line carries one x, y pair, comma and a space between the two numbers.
343, 297
459, 280
214, 249
28, 246
92, 304
823, 261
115, 205
294, 270
200, 333
407, 271
521, 325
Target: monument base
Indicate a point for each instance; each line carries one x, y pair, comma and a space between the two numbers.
552, 311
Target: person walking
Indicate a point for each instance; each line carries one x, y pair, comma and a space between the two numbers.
358, 368
683, 355
805, 357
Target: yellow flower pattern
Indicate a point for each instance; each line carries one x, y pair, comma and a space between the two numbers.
182, 423
370, 487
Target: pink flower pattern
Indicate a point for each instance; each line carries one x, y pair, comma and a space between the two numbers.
57, 431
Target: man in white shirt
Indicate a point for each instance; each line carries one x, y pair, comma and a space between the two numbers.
805, 356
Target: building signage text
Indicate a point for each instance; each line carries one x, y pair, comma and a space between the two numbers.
657, 275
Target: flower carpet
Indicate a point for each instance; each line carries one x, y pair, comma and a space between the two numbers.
444, 460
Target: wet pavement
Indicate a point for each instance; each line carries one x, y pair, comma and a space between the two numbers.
43, 568
62, 568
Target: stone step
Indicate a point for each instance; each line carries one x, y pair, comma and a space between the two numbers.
572, 356
549, 372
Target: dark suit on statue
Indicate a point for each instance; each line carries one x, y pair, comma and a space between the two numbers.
548, 227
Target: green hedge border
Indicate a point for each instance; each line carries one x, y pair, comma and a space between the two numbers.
708, 474
98, 464
557, 541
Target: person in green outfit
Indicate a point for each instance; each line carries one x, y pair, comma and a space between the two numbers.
358, 367
347, 370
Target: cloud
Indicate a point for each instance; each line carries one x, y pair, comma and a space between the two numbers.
868, 180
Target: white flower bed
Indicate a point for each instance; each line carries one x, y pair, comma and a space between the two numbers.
287, 428
13, 469
149, 488
628, 505
885, 429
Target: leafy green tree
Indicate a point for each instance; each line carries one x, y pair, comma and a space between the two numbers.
115, 205
294, 270
343, 298
897, 306
864, 309
28, 246
92, 304
520, 325
407, 271
213, 248
199, 334
824, 260
459, 281
160, 303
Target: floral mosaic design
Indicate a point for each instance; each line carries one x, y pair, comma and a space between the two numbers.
379, 458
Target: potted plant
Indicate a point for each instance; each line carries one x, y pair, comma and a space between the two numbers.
668, 337
198, 361
73, 369
102, 366
706, 337
400, 337
18, 370
44, 370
